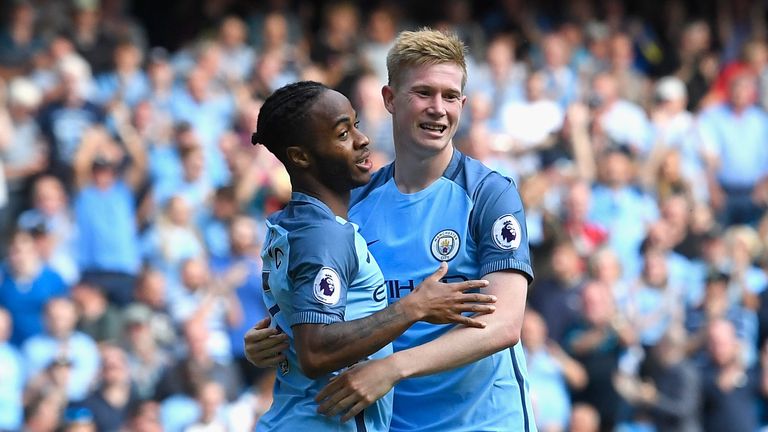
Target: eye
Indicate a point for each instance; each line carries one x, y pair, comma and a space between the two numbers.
357, 124
344, 133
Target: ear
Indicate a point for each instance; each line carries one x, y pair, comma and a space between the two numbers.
298, 157
388, 94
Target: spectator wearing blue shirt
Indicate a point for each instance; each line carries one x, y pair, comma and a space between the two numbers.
51, 222
26, 285
210, 113
105, 210
655, 300
127, 83
214, 224
243, 260
624, 210
173, 238
193, 185
733, 135
237, 57
562, 83
11, 377
61, 339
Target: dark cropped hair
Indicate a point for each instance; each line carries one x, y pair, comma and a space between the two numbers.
279, 123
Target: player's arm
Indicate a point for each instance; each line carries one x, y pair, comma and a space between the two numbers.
498, 225
362, 385
323, 348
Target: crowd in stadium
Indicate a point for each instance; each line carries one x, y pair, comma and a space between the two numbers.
132, 202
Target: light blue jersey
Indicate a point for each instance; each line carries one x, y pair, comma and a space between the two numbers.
473, 219
317, 270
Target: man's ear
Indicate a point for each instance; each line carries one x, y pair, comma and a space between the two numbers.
388, 95
298, 157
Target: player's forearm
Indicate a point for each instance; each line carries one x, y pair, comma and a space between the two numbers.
327, 348
456, 348
464, 345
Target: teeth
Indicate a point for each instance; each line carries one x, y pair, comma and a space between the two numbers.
433, 127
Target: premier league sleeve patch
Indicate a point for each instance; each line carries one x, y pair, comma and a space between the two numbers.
445, 245
507, 233
327, 286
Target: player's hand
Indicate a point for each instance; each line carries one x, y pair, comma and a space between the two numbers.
443, 303
356, 388
264, 346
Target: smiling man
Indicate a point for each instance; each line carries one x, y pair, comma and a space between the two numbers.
324, 291
434, 204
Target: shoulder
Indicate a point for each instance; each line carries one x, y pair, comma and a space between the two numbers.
314, 232
326, 231
476, 178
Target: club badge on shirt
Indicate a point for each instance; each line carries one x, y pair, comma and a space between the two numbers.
445, 245
327, 286
507, 233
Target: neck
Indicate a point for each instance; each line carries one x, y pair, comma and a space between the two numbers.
338, 202
414, 173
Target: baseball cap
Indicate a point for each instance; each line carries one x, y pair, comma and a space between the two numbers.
670, 88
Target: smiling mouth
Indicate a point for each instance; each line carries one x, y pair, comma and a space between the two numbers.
433, 127
364, 162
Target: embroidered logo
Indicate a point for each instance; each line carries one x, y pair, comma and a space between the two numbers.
327, 286
507, 233
445, 245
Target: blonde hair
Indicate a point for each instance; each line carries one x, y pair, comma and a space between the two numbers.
746, 235
425, 47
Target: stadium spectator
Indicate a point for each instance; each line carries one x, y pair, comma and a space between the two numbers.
557, 299
737, 161
99, 319
105, 210
729, 386
552, 375
11, 377
60, 339
26, 286
597, 342
114, 391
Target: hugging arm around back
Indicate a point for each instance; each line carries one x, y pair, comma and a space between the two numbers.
323, 348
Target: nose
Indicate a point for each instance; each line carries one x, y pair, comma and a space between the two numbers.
437, 105
362, 140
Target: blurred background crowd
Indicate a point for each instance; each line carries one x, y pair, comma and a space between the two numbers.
131, 200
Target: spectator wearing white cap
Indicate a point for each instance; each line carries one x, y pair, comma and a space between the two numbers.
23, 155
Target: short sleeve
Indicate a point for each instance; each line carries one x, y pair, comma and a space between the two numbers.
322, 264
497, 224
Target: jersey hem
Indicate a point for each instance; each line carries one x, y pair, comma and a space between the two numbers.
508, 264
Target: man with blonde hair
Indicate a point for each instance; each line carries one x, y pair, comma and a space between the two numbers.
432, 205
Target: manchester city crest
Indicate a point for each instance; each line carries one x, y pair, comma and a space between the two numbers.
327, 286
507, 233
445, 245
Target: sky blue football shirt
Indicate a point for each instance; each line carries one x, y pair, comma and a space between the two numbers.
472, 218
317, 270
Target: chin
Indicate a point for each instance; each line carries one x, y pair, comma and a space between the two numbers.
360, 181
